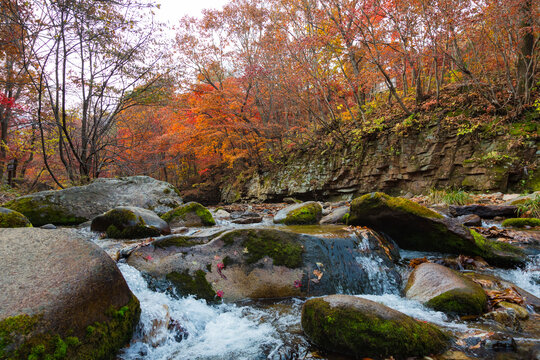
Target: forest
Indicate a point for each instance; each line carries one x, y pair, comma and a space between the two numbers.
99, 89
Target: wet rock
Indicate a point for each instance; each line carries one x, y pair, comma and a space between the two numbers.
12, 219
247, 217
505, 317
520, 311
445, 290
484, 211
337, 216
362, 328
416, 227
57, 286
500, 342
300, 214
48, 227
470, 220
272, 263
78, 204
129, 222
191, 214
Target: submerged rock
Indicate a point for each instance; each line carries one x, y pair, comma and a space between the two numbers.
445, 290
307, 213
12, 219
416, 227
271, 263
484, 211
78, 204
362, 328
190, 214
129, 222
62, 297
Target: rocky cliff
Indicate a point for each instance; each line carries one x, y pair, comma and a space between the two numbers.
432, 156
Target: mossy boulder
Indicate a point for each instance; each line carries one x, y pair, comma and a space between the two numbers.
445, 290
272, 263
129, 222
307, 213
190, 214
521, 222
415, 227
362, 328
12, 219
79, 204
62, 298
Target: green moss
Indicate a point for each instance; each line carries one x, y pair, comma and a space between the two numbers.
132, 232
521, 222
124, 224
101, 341
345, 218
227, 261
176, 241
41, 212
460, 302
166, 191
197, 284
305, 215
279, 246
366, 204
190, 208
13, 219
360, 334
498, 253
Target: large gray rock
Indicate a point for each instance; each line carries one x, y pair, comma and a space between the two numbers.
271, 263
337, 216
307, 213
78, 204
445, 290
59, 290
130, 222
362, 328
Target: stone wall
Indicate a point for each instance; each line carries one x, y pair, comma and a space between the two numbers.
432, 157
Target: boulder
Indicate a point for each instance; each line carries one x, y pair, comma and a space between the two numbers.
12, 219
272, 263
306, 213
362, 328
190, 214
445, 290
415, 227
78, 204
470, 220
484, 211
337, 216
62, 297
129, 222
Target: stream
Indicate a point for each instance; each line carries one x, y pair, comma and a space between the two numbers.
182, 327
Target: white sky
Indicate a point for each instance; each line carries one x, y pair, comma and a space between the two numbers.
172, 10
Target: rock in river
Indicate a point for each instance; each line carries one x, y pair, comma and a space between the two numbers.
61, 297
190, 214
445, 290
78, 204
272, 263
362, 328
307, 213
129, 222
415, 227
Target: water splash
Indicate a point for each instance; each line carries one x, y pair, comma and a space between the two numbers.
527, 278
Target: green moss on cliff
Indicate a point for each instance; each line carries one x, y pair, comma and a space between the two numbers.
197, 284
360, 334
42, 211
190, 208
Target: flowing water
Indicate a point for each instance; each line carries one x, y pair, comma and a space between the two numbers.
174, 327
